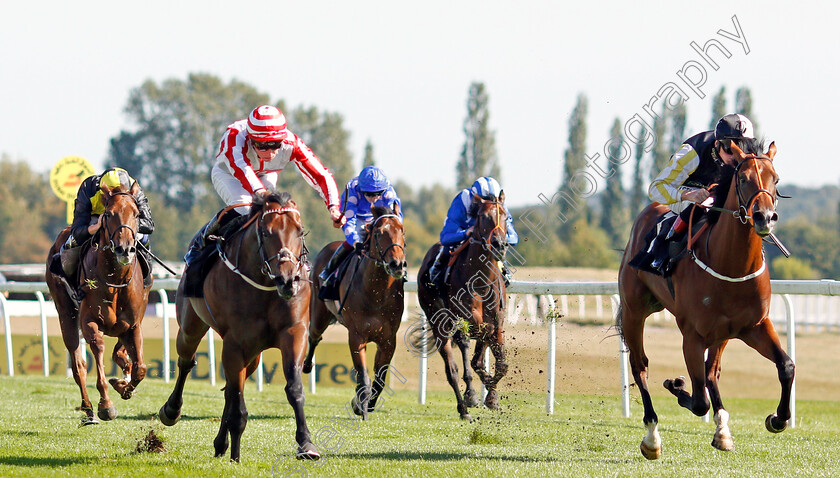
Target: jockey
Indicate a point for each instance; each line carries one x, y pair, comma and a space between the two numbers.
87, 215
252, 152
370, 188
459, 223
691, 170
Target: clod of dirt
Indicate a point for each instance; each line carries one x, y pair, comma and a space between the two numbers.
150, 444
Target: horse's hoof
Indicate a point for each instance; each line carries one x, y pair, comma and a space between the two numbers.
307, 367
89, 421
107, 414
650, 453
466, 417
357, 409
166, 419
723, 443
123, 388
768, 422
471, 399
307, 451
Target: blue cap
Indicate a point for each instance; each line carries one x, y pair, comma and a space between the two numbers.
373, 180
486, 187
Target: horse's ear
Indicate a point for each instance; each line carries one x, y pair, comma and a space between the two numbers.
135, 188
396, 208
771, 151
737, 151
502, 196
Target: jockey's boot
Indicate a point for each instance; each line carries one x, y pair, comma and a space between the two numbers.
436, 272
69, 257
198, 242
338, 256
147, 257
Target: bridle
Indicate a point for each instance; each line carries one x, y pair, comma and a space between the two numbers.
743, 215
381, 262
283, 255
487, 243
111, 246
745, 206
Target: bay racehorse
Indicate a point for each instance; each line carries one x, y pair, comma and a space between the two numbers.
113, 302
370, 305
255, 297
472, 305
720, 292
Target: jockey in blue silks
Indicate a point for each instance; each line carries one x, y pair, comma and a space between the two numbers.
459, 223
370, 188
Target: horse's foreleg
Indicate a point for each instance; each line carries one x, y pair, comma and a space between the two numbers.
190, 333
452, 376
361, 400
70, 334
381, 364
462, 340
764, 340
293, 347
723, 437
501, 368
235, 416
319, 320
696, 401
132, 346
106, 409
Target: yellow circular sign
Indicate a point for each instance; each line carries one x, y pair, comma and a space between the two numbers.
67, 175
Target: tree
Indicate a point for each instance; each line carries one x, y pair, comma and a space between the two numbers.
660, 153
677, 121
30, 215
718, 107
368, 159
743, 105
478, 156
177, 127
614, 217
574, 160
638, 195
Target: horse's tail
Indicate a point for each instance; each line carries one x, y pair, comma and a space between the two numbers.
619, 328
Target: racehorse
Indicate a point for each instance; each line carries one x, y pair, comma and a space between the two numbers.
113, 302
370, 303
255, 297
473, 304
721, 292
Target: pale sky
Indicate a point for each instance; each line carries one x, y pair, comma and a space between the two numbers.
399, 73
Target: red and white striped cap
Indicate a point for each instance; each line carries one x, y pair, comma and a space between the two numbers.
267, 123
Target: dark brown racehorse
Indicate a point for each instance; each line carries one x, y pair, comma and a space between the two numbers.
473, 302
371, 303
255, 297
720, 292
113, 304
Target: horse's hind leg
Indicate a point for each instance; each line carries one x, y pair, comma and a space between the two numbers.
70, 334
500, 370
631, 325
463, 342
723, 437
764, 340
190, 333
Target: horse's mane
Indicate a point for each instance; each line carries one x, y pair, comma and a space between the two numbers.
724, 179
281, 198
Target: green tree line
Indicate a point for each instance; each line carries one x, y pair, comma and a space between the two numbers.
173, 136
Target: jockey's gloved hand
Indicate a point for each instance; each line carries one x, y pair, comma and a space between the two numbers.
358, 246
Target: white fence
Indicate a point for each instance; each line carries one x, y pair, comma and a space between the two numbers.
818, 310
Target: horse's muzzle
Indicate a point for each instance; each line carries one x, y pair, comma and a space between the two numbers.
764, 221
287, 287
125, 255
396, 269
